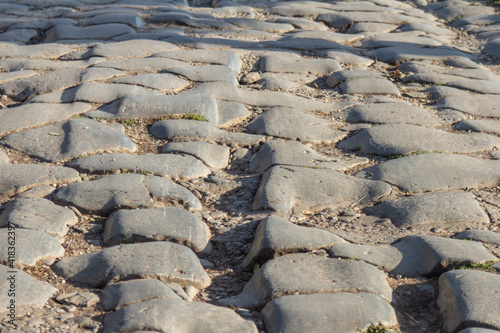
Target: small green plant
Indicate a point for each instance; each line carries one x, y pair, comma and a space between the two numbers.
391, 157
81, 116
353, 258
130, 122
198, 117
380, 329
481, 266
438, 84
420, 152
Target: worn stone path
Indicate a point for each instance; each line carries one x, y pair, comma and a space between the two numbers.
249, 166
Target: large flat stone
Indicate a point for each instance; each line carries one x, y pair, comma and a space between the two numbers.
291, 63
288, 152
33, 114
43, 51
31, 246
205, 73
164, 82
148, 64
38, 214
100, 31
109, 193
308, 274
172, 224
485, 236
96, 92
416, 255
22, 64
398, 54
469, 298
24, 285
276, 236
172, 315
116, 296
287, 189
294, 124
221, 57
165, 261
17, 178
395, 139
427, 172
480, 105
165, 165
433, 208
480, 125
215, 156
69, 139
369, 86
343, 19
322, 313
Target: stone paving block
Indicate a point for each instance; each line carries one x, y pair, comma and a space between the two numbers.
33, 114
43, 51
149, 64
293, 63
288, 152
303, 24
370, 86
17, 178
116, 296
396, 139
20, 64
326, 35
433, 208
11, 76
130, 19
302, 44
96, 92
481, 105
478, 86
342, 20
252, 24
213, 155
276, 236
398, 54
25, 88
109, 193
69, 139
38, 214
385, 113
166, 165
427, 172
371, 28
19, 35
79, 299
31, 246
40, 24
101, 31
480, 125
327, 313
137, 48
308, 274
172, 315
485, 236
24, 285
345, 75
190, 21
207, 73
289, 188
292, 10
221, 57
469, 298
165, 261
172, 224
201, 130
416, 255
346, 57
293, 124
429, 28
164, 82
398, 38
219, 112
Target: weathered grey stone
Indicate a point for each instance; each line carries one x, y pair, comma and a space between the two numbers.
116, 296
161, 224
291, 9
69, 139
24, 285
343, 19
219, 112
287, 152
304, 24
307, 274
346, 57
33, 114
10, 76
43, 51
480, 125
201, 130
438, 92
113, 192
19, 35
433, 208
429, 28
101, 31
386, 113
165, 165
20, 64
221, 57
17, 178
369, 86
80, 299
290, 188
4, 158
149, 64
31, 246
172, 315
276, 236
327, 312
25, 88
398, 38
276, 83
215, 156
484, 236
371, 28
96, 92
38, 214
398, 54
165, 261
393, 139
293, 124
346, 75
481, 105
427, 172
190, 21
130, 19
252, 24
462, 62
291, 63
469, 298
324, 34
208, 73
479, 86
164, 82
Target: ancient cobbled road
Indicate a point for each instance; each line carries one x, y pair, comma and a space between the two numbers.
249, 166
